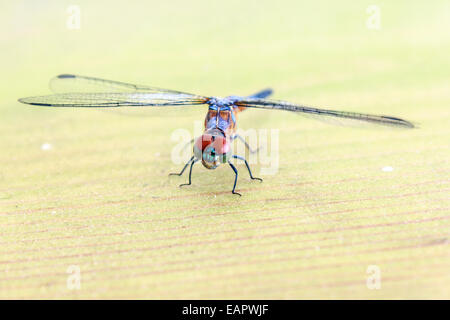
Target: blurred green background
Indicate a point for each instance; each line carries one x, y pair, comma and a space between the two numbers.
100, 199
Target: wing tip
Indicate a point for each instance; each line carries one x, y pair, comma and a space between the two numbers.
401, 122
32, 103
25, 101
262, 94
66, 76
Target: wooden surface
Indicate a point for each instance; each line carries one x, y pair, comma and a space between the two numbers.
89, 189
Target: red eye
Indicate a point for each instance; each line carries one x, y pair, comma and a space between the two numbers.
219, 143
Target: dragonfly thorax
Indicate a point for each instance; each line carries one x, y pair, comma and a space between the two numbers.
223, 102
212, 148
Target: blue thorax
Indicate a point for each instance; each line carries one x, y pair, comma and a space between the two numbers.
222, 104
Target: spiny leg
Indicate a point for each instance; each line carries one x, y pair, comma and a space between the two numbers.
190, 174
248, 167
184, 168
235, 179
245, 143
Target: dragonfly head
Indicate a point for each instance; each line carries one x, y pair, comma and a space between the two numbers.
212, 148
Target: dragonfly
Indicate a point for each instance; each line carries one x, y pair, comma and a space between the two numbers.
213, 147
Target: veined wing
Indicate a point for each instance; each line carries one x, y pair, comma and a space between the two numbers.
115, 99
322, 114
67, 83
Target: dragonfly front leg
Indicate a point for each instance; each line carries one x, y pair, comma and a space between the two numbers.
188, 144
184, 168
248, 167
190, 173
235, 179
245, 143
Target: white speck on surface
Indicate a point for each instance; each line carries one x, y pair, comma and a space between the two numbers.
387, 169
46, 146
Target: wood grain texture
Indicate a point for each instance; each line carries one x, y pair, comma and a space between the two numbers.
100, 198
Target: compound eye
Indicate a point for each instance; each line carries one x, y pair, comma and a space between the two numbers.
209, 154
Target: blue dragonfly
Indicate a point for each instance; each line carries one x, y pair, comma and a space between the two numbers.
212, 148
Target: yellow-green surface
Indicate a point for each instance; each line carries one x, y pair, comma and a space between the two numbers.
101, 200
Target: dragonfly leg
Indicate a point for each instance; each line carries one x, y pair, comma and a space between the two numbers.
248, 167
235, 179
245, 143
190, 173
184, 168
188, 144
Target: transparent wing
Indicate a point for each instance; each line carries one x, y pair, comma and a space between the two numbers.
348, 118
66, 83
115, 99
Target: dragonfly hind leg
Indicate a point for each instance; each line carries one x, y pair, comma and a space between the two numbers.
248, 167
184, 168
235, 179
236, 173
